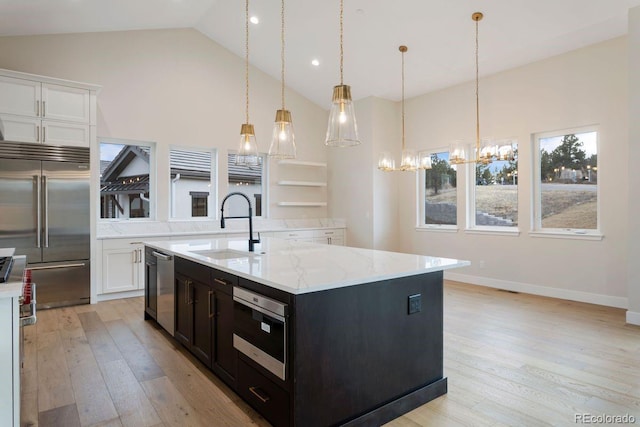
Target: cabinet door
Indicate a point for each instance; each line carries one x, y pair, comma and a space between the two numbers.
184, 316
20, 129
19, 96
120, 270
202, 321
224, 357
65, 103
60, 133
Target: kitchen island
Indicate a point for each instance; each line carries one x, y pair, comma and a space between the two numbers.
312, 335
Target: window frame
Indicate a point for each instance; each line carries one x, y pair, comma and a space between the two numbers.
153, 192
536, 229
212, 213
264, 183
421, 195
470, 224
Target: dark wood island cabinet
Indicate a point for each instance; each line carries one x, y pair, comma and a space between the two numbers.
359, 354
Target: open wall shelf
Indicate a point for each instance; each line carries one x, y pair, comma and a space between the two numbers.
303, 183
301, 163
303, 204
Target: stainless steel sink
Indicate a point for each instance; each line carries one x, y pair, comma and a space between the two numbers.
225, 253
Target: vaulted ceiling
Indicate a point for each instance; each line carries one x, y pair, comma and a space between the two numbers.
439, 34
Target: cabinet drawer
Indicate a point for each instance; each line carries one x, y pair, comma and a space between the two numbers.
121, 243
223, 281
193, 270
266, 397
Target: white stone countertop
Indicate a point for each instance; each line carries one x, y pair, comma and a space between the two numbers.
13, 287
149, 229
298, 267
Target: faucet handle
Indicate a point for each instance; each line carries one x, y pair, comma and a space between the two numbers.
258, 240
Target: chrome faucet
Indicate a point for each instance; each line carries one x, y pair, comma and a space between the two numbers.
222, 218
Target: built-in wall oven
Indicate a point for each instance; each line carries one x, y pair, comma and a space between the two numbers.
260, 330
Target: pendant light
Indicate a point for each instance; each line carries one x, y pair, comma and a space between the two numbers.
486, 151
409, 160
283, 144
342, 130
248, 148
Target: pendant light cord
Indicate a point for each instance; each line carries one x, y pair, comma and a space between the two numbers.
282, 48
402, 50
477, 96
246, 57
341, 43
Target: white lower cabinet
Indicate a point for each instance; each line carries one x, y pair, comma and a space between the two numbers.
122, 265
322, 236
329, 237
10, 362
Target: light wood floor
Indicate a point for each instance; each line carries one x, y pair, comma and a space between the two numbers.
511, 359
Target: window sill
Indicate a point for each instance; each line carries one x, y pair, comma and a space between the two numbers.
438, 228
562, 234
496, 231
195, 219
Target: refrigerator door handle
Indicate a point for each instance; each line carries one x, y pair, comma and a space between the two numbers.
51, 267
45, 202
36, 180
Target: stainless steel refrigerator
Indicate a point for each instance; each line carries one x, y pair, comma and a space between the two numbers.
44, 214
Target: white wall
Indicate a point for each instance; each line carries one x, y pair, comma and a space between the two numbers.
366, 197
633, 284
583, 87
172, 87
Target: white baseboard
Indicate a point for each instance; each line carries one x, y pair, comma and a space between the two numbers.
633, 317
545, 291
119, 295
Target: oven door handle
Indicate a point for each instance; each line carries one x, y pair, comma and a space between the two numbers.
260, 309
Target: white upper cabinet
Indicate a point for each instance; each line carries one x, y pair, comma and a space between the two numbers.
19, 96
64, 103
40, 110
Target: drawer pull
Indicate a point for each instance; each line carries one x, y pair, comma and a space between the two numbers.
259, 394
221, 281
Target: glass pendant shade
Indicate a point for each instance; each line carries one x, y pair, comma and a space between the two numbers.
283, 144
248, 148
505, 151
488, 151
457, 153
386, 162
342, 130
409, 160
424, 160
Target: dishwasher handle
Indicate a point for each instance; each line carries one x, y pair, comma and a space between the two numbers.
162, 256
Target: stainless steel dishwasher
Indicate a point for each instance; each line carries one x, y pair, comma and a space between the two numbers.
165, 291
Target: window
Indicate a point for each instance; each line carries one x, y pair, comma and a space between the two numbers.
125, 182
192, 179
438, 194
199, 204
566, 195
494, 193
249, 181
